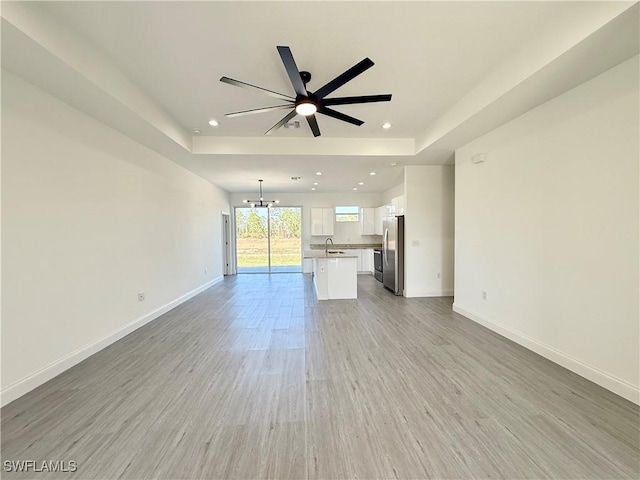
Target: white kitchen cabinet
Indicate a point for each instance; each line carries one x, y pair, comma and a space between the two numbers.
307, 265
381, 213
367, 221
390, 210
398, 205
401, 205
358, 253
328, 219
366, 260
322, 221
316, 221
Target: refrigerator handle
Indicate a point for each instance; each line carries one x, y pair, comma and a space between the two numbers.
385, 246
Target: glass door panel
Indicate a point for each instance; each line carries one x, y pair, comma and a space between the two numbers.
252, 240
269, 240
286, 239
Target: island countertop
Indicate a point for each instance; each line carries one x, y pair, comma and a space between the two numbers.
345, 246
321, 254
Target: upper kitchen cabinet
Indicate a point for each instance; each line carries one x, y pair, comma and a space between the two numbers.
398, 205
322, 221
367, 221
381, 214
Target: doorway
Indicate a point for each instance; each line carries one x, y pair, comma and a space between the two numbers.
227, 267
268, 240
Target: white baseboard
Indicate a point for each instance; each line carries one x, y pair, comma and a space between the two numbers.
597, 376
19, 388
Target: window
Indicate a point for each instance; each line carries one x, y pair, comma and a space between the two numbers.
347, 214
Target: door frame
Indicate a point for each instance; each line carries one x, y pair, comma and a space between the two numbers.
228, 259
234, 251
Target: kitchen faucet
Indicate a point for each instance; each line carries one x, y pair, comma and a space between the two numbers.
326, 245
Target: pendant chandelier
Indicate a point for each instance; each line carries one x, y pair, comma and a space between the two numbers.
262, 202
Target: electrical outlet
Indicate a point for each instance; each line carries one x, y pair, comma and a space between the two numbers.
141, 296
438, 276
484, 295
206, 270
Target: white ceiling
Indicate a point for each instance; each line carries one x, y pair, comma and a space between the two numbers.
455, 69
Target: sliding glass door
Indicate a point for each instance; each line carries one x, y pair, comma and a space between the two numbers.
269, 240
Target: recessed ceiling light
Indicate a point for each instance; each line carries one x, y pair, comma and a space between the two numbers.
315, 183
355, 188
372, 173
213, 123
393, 164
386, 125
196, 131
313, 188
360, 183
318, 173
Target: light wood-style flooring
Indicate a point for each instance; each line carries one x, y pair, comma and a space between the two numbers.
255, 378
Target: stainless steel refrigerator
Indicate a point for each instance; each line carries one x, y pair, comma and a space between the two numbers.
393, 254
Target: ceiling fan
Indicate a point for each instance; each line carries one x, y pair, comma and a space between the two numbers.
308, 103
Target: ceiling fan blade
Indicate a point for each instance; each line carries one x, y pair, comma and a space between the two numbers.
343, 78
340, 116
313, 125
248, 86
292, 70
288, 117
258, 110
362, 99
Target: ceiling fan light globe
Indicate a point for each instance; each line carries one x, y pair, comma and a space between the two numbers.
306, 108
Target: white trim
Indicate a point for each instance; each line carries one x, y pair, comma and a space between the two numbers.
19, 388
616, 385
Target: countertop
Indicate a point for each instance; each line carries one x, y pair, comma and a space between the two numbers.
321, 254
345, 246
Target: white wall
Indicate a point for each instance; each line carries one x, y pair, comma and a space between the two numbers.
393, 192
89, 219
429, 207
547, 226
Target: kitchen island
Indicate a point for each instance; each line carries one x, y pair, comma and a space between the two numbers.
335, 275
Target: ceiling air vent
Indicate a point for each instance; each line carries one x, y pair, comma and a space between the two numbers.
296, 178
295, 124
